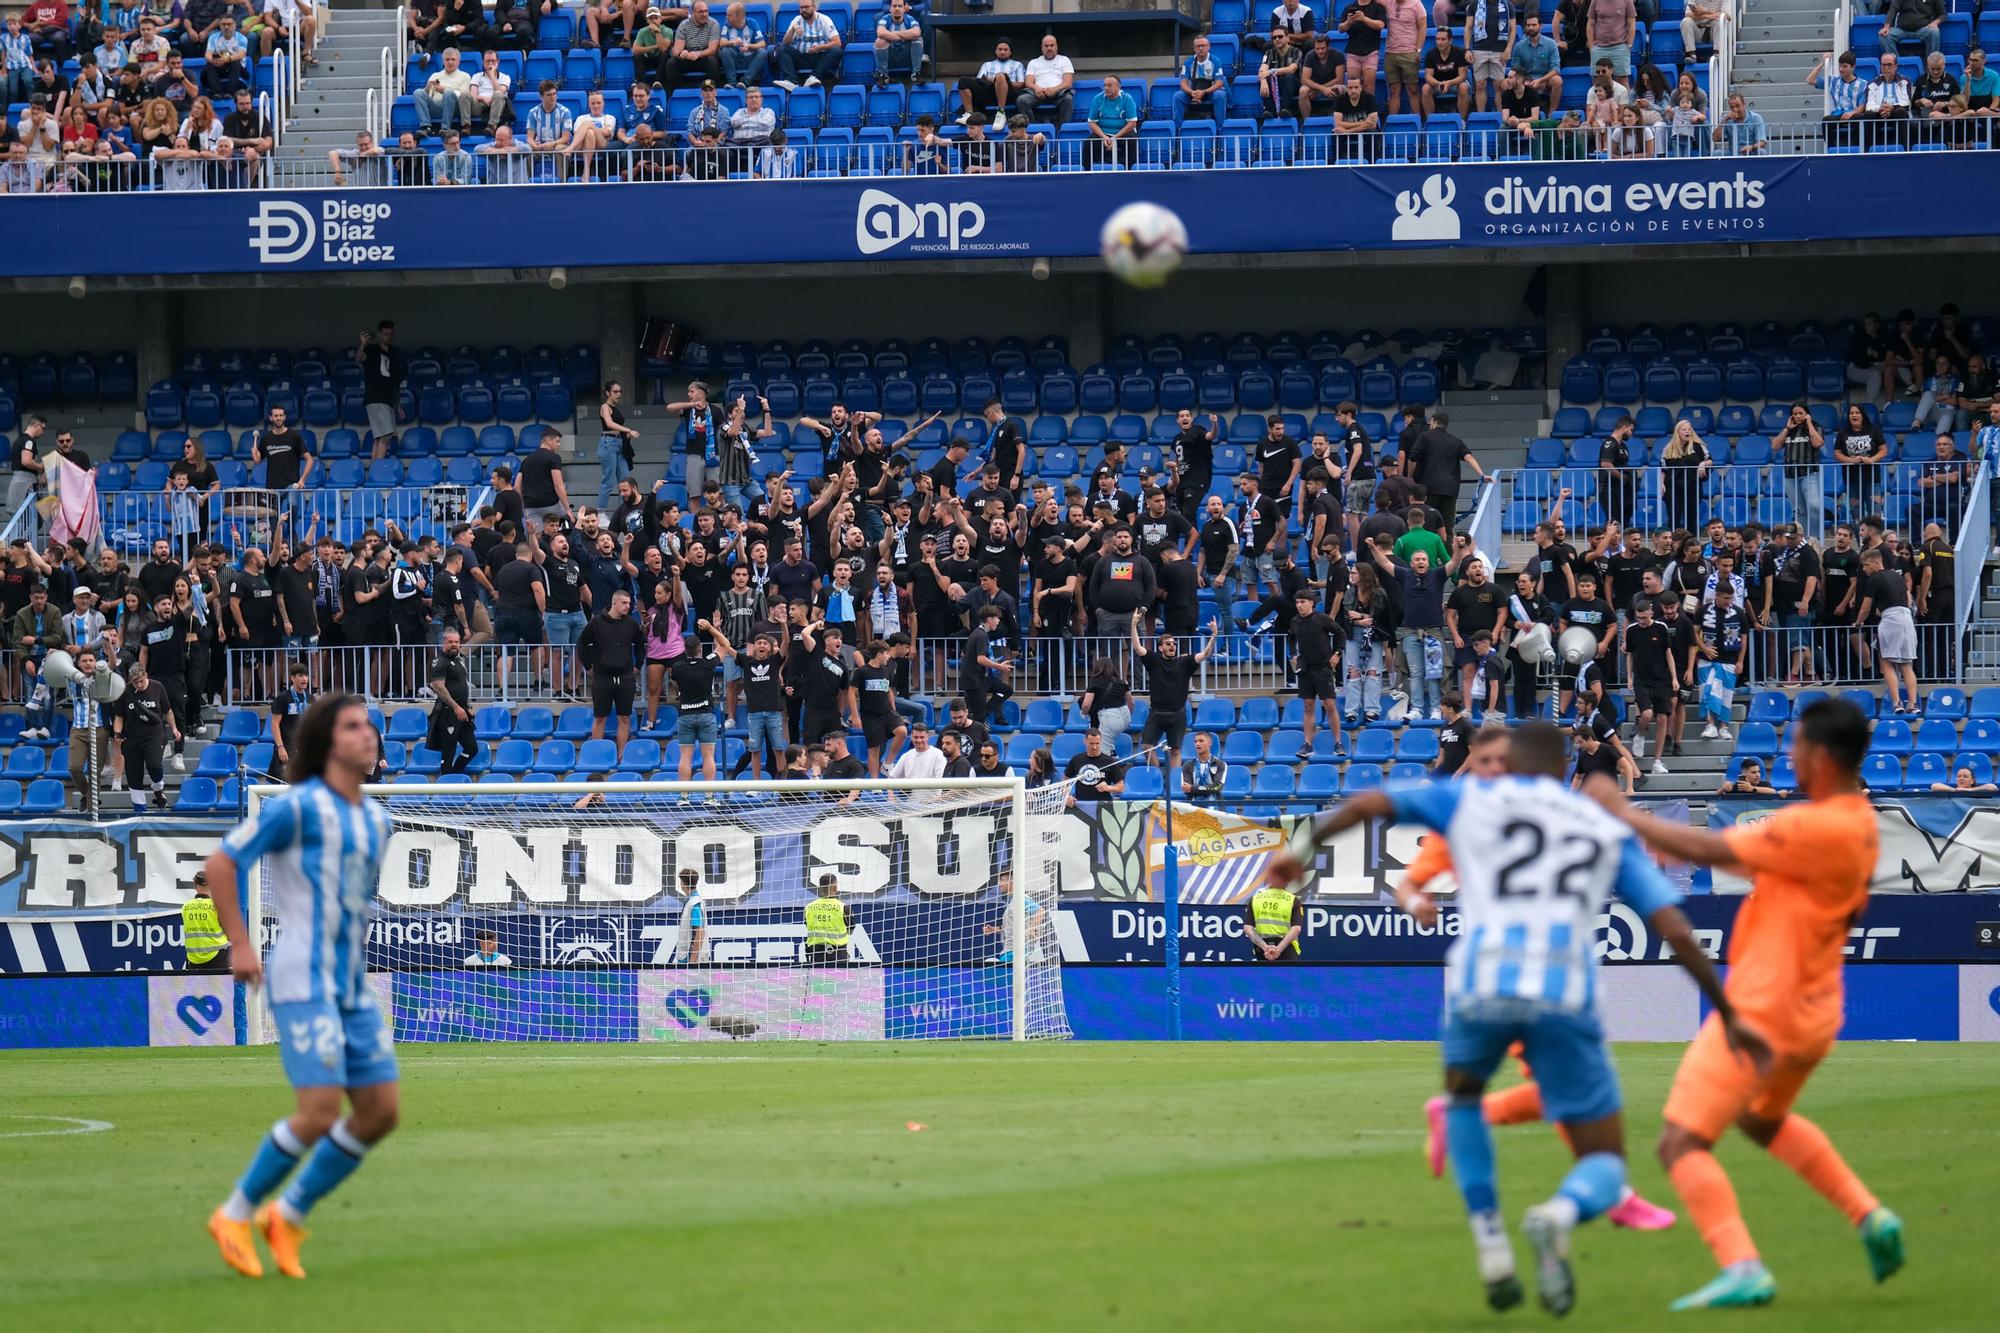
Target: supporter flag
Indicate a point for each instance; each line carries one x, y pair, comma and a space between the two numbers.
72, 500
1718, 690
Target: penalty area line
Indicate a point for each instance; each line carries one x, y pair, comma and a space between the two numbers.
72, 1125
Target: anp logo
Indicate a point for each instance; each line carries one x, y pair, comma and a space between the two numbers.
883, 222
1428, 216
282, 232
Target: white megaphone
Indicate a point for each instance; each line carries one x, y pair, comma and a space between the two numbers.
60, 670
1577, 646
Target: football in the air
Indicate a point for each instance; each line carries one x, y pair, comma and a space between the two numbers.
1143, 243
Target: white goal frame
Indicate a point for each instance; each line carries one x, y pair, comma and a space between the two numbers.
1013, 789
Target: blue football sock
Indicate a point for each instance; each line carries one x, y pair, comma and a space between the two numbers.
1469, 1142
276, 1156
334, 1159
1594, 1184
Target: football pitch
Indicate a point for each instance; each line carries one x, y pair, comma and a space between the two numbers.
938, 1187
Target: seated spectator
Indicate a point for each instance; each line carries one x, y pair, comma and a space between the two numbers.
697, 52
516, 23
492, 91
753, 125
1740, 132
978, 155
603, 13
91, 91
366, 160
248, 133
446, 97
1201, 776
1888, 103
1114, 125
928, 155
1291, 18
1203, 87
1964, 782
227, 54
987, 94
1750, 781
1982, 85
809, 54
549, 122
653, 49
1354, 108
1021, 150
1701, 24
1907, 23
1684, 122
1321, 73
596, 131
1934, 93
706, 124
1278, 73
421, 20
452, 165
1051, 81
1847, 99
505, 162
778, 162
1444, 77
1520, 105
746, 48
1539, 63
49, 82
1941, 393
899, 45
47, 22
286, 20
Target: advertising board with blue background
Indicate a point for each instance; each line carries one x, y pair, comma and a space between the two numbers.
85, 903
1445, 205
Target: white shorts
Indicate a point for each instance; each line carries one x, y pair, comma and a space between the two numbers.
1896, 636
381, 419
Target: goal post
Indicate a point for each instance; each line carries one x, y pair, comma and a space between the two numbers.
668, 911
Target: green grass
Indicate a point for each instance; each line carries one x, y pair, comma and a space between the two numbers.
1056, 1187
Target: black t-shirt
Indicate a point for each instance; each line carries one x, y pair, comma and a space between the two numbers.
1363, 40
1593, 615
1354, 108
514, 588
1604, 760
763, 684
296, 588
1167, 680
447, 595
256, 603
611, 643
1857, 445
1886, 588
1942, 561
1197, 451
166, 646
1217, 540
289, 705
875, 689
565, 580
1839, 570
1314, 635
1478, 607
1787, 571
1275, 459
157, 580
1627, 574
284, 454
694, 676
1649, 646
1446, 65
1550, 562
1522, 103
1454, 744
382, 373
822, 682
1091, 774
1685, 634
142, 714
354, 580
537, 478
1157, 534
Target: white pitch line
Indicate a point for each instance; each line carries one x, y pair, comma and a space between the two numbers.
77, 1125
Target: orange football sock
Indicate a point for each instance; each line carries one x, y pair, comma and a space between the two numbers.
1804, 1147
1711, 1201
1514, 1106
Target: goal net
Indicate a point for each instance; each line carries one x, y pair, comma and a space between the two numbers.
669, 912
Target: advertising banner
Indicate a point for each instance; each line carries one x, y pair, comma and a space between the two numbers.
1929, 845
715, 1004
1441, 205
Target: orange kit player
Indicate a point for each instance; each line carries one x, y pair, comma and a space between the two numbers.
1522, 1102
1809, 866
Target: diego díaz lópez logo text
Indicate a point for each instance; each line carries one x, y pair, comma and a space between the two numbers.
342, 234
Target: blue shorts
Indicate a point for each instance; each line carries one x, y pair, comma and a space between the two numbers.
697, 728
1566, 1051
325, 1046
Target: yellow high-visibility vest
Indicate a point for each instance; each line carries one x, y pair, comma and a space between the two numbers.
201, 931
826, 923
1271, 909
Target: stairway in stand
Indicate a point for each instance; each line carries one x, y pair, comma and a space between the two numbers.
333, 95
1777, 44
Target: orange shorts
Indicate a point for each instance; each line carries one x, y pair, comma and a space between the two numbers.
1714, 1085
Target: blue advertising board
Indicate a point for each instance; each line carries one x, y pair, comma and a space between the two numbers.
1418, 207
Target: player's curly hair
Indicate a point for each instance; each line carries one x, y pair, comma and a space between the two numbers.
315, 739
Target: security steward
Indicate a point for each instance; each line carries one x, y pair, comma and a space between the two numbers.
201, 930
1277, 918
826, 926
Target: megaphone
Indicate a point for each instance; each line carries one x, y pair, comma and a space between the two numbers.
1577, 646
61, 671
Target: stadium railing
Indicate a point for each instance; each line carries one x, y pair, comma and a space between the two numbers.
249, 516
1244, 147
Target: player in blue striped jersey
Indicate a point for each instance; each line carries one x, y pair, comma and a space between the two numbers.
1536, 864
321, 843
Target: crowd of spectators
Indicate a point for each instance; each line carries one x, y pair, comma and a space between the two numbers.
136, 110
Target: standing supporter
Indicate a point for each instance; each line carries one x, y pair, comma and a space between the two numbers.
1169, 677
383, 371
142, 719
